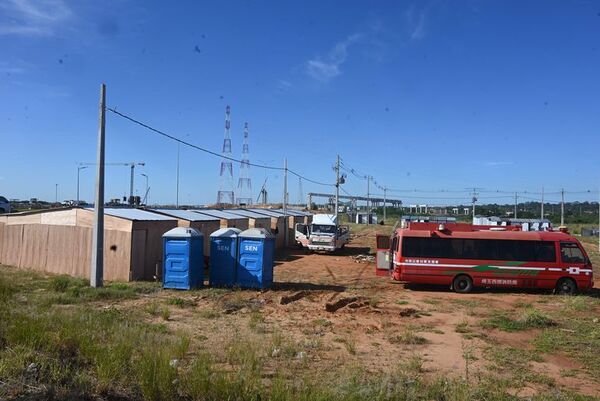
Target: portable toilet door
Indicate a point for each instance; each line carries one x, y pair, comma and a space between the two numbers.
183, 265
223, 257
255, 258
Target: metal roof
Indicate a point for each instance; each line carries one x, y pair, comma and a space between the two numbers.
268, 212
222, 214
294, 212
248, 213
134, 214
186, 215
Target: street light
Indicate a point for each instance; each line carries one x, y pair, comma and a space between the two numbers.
55, 193
146, 193
78, 171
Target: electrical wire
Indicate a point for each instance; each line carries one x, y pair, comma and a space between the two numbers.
181, 141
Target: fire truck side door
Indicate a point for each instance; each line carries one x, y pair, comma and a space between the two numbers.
382, 255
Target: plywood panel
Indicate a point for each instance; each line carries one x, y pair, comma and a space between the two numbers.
277, 229
117, 255
33, 248
207, 228
34, 218
153, 247
138, 253
2, 227
260, 223
241, 223
11, 243
61, 217
85, 219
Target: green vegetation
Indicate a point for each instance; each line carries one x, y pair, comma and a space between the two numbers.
530, 318
61, 339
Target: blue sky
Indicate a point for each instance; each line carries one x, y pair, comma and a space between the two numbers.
425, 94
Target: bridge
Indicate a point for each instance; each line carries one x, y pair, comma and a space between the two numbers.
375, 201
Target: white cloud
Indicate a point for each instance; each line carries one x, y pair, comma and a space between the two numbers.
417, 21
499, 163
326, 68
282, 84
33, 18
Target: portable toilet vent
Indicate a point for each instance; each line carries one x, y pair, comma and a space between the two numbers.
255, 258
183, 255
223, 257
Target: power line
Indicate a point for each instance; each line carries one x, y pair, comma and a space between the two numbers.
181, 141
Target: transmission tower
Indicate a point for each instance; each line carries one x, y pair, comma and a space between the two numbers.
244, 182
225, 194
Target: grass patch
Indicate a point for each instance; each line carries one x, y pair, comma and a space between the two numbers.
408, 337
530, 318
180, 302
514, 365
209, 313
463, 327
165, 313
576, 337
322, 322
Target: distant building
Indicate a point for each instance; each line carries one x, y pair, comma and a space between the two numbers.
525, 224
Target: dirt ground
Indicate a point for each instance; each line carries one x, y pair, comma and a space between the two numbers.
338, 313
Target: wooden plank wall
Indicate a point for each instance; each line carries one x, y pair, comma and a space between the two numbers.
241, 223
63, 250
206, 228
277, 229
153, 246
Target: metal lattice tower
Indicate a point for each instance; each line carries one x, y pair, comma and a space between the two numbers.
225, 194
244, 181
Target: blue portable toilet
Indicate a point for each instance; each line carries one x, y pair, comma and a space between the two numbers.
255, 258
223, 257
183, 258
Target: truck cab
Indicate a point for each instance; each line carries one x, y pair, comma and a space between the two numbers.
323, 234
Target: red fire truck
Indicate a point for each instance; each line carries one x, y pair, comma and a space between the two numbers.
464, 256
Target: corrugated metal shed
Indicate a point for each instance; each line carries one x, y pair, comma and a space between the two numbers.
222, 214
295, 212
186, 215
60, 242
204, 223
269, 212
134, 214
249, 213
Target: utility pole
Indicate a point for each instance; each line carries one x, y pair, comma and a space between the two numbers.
55, 193
474, 199
177, 180
79, 168
384, 202
516, 201
337, 186
368, 199
97, 262
146, 193
562, 207
542, 203
285, 219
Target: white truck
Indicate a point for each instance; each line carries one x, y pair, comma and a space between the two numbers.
323, 234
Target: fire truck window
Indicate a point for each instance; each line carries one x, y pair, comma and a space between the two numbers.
545, 252
571, 253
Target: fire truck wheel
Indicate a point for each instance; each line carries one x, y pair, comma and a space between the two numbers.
565, 286
462, 284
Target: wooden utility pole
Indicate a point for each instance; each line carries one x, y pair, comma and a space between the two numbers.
562, 207
337, 187
542, 204
97, 262
285, 219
